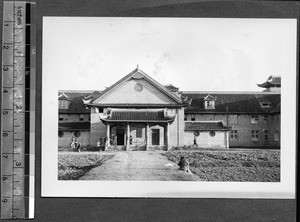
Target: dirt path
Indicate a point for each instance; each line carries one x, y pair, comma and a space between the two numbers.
138, 165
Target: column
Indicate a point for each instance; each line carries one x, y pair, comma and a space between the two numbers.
147, 136
227, 139
127, 136
107, 144
167, 136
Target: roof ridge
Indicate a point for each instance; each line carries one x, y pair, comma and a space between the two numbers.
153, 81
230, 92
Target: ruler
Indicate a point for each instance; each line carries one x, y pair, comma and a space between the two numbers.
18, 109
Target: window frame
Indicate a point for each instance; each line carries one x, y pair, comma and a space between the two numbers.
234, 117
233, 135
81, 117
277, 135
60, 118
139, 132
193, 117
209, 104
255, 135
266, 135
254, 119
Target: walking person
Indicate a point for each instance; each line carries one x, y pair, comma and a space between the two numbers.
195, 142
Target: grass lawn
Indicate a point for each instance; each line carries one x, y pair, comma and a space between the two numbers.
71, 166
241, 165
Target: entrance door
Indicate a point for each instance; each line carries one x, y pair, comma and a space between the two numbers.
155, 136
120, 137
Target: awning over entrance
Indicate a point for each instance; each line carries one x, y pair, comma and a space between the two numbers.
206, 126
130, 115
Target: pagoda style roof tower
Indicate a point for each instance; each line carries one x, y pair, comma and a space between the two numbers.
273, 84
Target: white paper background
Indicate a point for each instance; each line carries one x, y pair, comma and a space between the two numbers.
239, 53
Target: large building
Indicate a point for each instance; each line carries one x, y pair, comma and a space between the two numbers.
138, 113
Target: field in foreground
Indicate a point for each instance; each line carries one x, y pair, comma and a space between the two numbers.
245, 165
72, 166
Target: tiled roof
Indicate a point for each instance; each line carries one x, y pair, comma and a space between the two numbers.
276, 109
74, 126
137, 116
171, 88
63, 96
232, 102
76, 104
272, 81
205, 126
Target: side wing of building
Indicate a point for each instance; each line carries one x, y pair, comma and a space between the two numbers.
254, 118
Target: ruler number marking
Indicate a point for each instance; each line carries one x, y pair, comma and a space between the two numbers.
14, 45
5, 47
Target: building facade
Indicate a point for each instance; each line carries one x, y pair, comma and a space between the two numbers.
138, 113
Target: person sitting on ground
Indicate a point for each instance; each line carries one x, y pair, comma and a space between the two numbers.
184, 165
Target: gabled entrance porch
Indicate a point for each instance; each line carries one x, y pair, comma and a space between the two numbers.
137, 129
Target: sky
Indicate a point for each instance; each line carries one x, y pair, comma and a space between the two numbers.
194, 54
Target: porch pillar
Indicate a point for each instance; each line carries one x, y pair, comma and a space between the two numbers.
147, 136
167, 136
107, 143
127, 136
227, 139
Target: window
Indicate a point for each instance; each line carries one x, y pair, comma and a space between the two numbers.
77, 134
81, 117
138, 87
266, 119
139, 132
276, 135
255, 135
212, 133
266, 135
173, 111
209, 104
60, 133
60, 118
233, 119
254, 119
233, 135
265, 104
193, 117
185, 117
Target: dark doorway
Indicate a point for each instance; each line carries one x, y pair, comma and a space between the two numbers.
120, 137
155, 136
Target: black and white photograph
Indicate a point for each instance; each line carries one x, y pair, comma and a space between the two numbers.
168, 107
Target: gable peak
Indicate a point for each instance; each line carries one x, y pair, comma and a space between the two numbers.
209, 97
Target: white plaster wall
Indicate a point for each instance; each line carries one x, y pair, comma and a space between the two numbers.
65, 140
125, 93
204, 140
